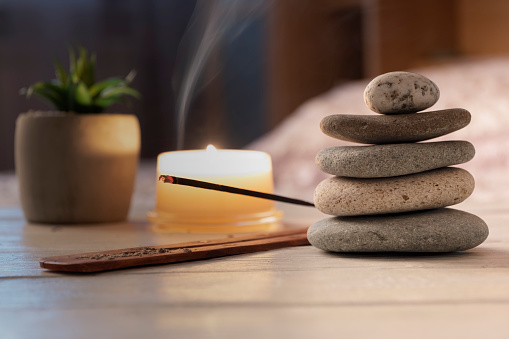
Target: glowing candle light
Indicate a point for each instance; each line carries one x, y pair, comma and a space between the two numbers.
193, 209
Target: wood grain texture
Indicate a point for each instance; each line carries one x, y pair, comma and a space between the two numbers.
483, 27
399, 34
313, 44
296, 292
165, 254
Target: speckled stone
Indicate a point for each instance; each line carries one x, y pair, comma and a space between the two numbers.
389, 129
342, 196
438, 230
400, 92
392, 160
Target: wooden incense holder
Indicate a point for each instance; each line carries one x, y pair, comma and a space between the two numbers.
165, 254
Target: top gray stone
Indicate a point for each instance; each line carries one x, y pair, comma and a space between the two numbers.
400, 92
390, 129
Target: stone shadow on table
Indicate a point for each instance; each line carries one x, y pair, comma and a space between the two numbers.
484, 257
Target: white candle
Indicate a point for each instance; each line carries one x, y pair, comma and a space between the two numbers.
194, 209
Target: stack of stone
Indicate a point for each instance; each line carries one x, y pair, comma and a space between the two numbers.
391, 195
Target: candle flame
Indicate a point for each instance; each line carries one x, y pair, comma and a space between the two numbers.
211, 148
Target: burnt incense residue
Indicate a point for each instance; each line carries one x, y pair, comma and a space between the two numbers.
146, 251
167, 179
173, 253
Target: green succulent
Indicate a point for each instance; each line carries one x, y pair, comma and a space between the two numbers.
77, 91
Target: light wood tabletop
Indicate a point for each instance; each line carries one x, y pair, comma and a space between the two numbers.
293, 292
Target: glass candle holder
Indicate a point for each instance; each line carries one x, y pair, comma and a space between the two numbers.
191, 209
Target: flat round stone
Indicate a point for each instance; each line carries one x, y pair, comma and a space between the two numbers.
390, 129
400, 92
392, 160
438, 230
342, 196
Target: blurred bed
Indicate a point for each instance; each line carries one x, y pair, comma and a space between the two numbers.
480, 86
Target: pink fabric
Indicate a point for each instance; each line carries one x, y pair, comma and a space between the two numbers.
480, 86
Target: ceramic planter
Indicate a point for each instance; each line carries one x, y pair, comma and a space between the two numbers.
76, 168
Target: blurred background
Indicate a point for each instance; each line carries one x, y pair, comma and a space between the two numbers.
258, 59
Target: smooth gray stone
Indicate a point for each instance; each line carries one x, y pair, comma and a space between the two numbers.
390, 129
438, 230
392, 160
342, 196
400, 92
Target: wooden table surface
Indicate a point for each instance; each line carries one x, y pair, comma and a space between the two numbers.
295, 292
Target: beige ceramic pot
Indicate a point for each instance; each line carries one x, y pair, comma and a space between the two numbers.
76, 168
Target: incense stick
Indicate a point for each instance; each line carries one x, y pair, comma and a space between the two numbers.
169, 179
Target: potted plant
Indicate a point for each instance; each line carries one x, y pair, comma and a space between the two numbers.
76, 164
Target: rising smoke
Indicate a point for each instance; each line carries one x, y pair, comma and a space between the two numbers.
207, 29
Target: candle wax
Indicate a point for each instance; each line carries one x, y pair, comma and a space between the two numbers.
184, 205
